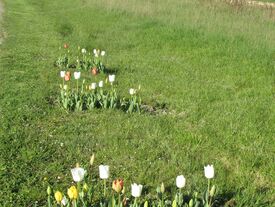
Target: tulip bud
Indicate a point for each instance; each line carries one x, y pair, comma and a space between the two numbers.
77, 165
92, 159
49, 190
85, 187
123, 190
162, 188
212, 191
191, 202
174, 204
81, 194
145, 204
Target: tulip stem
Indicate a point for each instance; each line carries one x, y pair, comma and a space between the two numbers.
135, 202
49, 201
208, 189
104, 190
119, 199
77, 86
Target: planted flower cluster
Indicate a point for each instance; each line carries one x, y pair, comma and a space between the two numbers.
82, 60
80, 95
81, 192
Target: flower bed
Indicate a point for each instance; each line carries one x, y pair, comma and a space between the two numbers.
75, 96
81, 193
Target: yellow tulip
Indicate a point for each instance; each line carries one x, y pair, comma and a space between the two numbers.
58, 196
72, 193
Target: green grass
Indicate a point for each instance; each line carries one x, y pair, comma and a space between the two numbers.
212, 65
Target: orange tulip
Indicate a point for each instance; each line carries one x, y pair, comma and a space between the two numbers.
94, 71
117, 185
66, 46
67, 76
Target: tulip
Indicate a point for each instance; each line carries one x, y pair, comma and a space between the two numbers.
93, 86
102, 53
117, 185
62, 73
94, 71
77, 75
78, 174
132, 91
58, 196
72, 193
64, 201
83, 51
162, 188
104, 174
209, 174
103, 171
85, 187
100, 84
180, 181
212, 191
145, 204
67, 76
96, 52
49, 190
65, 87
209, 171
92, 159
66, 46
112, 78
136, 190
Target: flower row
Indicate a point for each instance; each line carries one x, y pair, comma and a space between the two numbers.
95, 95
82, 193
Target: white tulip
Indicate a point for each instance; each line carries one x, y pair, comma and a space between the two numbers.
136, 190
96, 52
64, 201
132, 91
209, 171
77, 75
78, 174
102, 53
93, 86
100, 84
180, 181
103, 171
112, 78
62, 73
83, 50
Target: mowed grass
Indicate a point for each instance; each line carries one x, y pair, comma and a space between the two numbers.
212, 65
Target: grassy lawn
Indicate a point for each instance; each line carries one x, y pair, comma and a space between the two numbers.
211, 65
